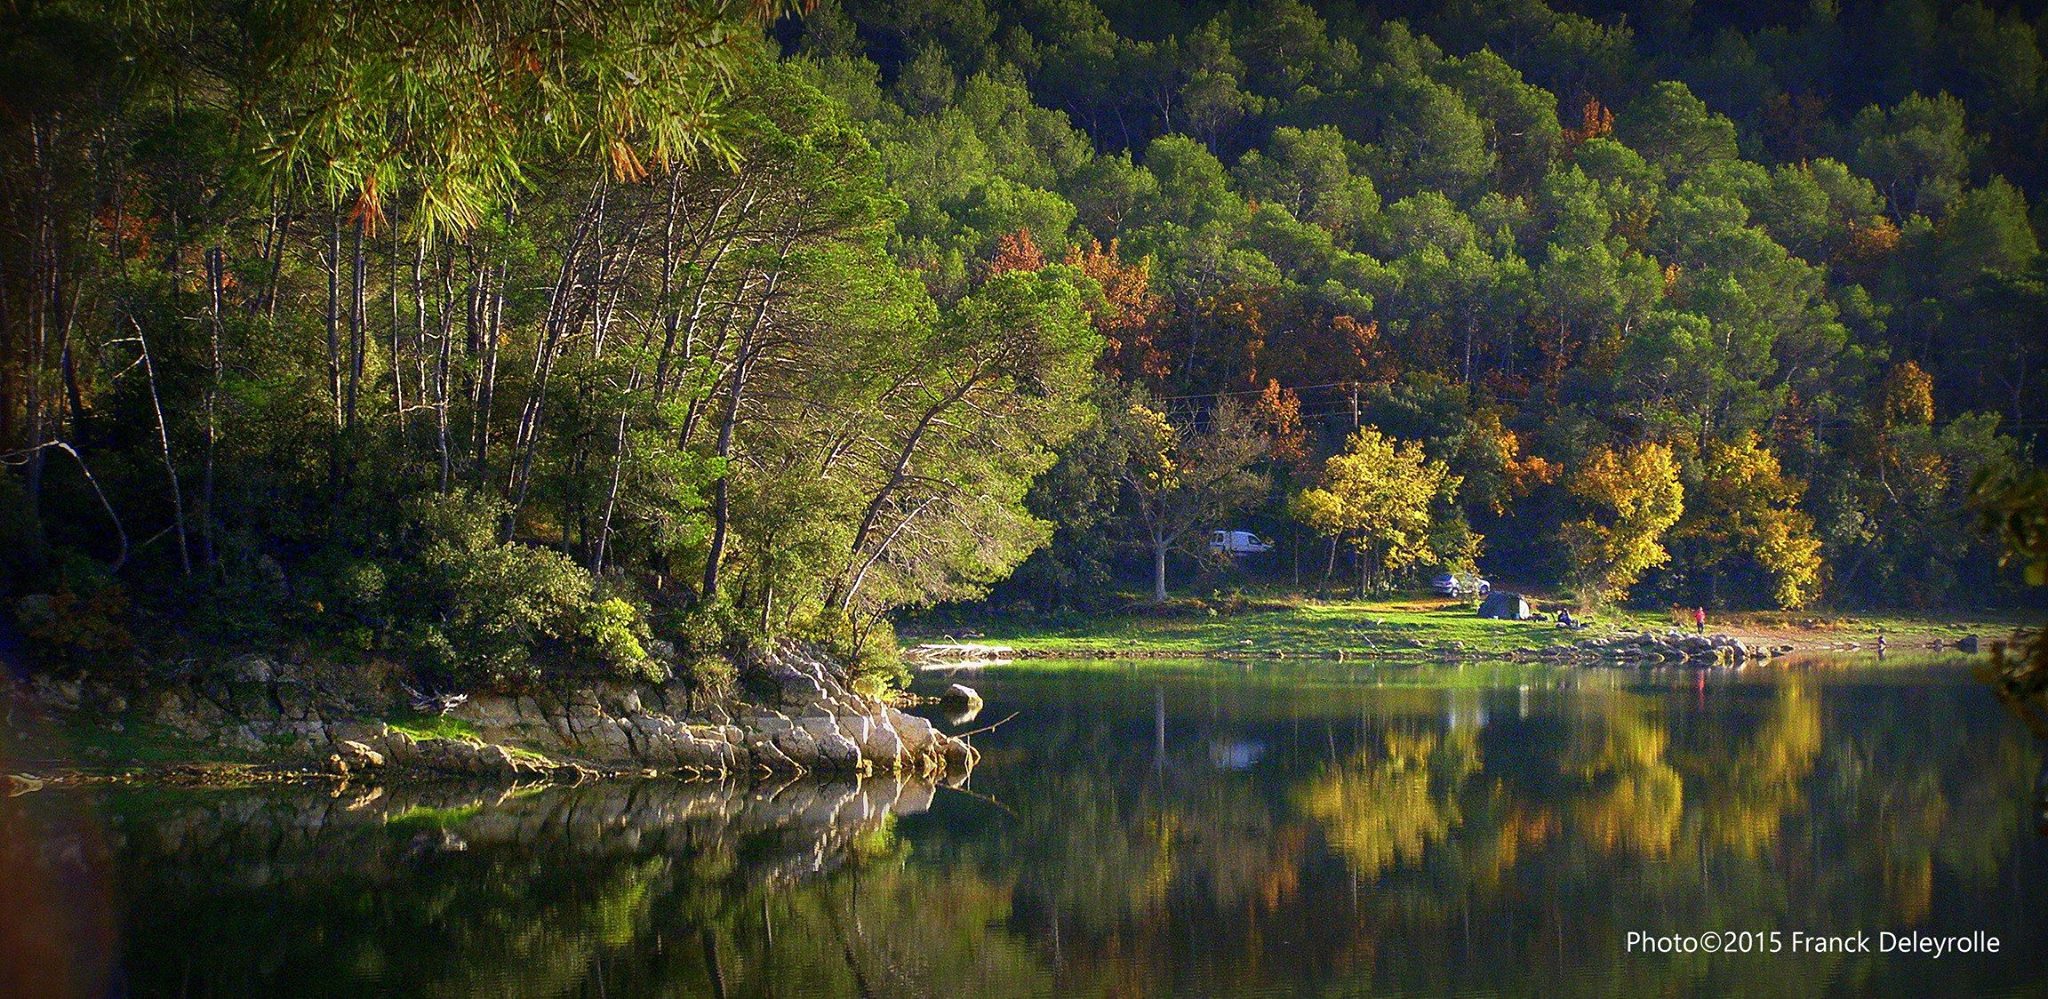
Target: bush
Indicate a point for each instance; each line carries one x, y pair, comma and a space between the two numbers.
712, 639
873, 662
349, 598
713, 676
84, 615
616, 634
483, 608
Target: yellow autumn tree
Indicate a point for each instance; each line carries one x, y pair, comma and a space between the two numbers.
1632, 497
1745, 518
1376, 497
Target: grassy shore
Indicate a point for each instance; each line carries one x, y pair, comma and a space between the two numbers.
1419, 627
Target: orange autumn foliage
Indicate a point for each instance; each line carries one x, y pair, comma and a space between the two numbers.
1595, 121
1129, 315
1278, 410
1016, 251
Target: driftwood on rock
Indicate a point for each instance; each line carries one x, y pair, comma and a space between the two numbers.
934, 655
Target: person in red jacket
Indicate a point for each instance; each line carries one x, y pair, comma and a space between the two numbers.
1699, 619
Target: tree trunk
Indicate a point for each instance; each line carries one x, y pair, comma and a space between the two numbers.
333, 318
562, 316
489, 314
163, 436
397, 372
334, 314
216, 265
721, 494
721, 500
355, 327
441, 383
1159, 572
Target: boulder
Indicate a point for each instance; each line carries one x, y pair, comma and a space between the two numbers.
961, 697
359, 756
1504, 606
251, 669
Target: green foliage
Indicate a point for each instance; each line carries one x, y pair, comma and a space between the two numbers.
614, 631
869, 655
483, 608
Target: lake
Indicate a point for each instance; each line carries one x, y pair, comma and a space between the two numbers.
1193, 828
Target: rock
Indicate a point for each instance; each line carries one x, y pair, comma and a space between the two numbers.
360, 756
1967, 644
810, 721
961, 697
251, 669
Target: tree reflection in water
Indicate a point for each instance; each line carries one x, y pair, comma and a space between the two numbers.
1207, 829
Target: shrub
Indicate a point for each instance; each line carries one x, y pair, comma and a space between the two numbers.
870, 657
616, 635
83, 615
483, 608
711, 639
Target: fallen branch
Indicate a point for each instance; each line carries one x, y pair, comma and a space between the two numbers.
984, 798
984, 728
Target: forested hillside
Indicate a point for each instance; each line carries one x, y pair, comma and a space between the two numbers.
509, 339
1700, 305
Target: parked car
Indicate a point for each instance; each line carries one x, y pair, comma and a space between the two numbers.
1238, 543
1461, 585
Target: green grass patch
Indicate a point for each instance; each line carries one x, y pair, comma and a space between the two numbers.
422, 727
426, 817
525, 755
1417, 625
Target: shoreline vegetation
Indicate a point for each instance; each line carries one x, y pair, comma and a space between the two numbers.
79, 742
1416, 629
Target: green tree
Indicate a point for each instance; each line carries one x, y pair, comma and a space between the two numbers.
1184, 479
1674, 130
1918, 153
1310, 174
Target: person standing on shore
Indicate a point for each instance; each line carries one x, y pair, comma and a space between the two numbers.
1699, 619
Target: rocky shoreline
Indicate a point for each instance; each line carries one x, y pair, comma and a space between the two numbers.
794, 717
1672, 648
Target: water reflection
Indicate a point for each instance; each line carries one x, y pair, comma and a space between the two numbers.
1141, 830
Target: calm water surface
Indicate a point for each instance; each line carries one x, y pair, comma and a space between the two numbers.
1191, 829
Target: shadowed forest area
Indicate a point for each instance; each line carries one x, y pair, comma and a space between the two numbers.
507, 340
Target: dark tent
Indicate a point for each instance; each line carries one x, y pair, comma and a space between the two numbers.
1506, 607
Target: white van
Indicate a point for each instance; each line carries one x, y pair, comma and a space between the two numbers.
1238, 543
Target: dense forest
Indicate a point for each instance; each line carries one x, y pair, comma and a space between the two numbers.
511, 338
